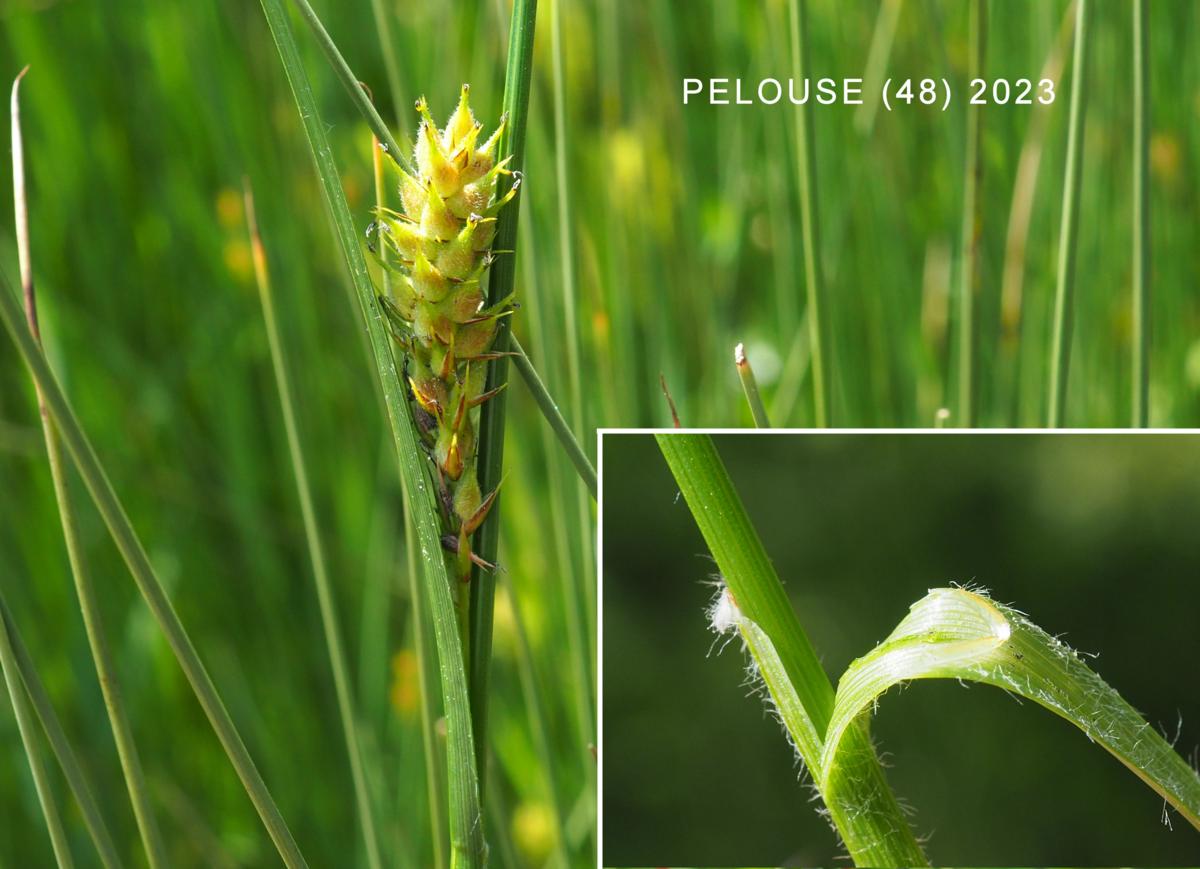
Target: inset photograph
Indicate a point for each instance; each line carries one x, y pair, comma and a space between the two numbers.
888, 649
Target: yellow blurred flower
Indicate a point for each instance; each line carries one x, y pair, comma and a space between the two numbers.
238, 259
504, 627
229, 208
1166, 157
533, 831
405, 693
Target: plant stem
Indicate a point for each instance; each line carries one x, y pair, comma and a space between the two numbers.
106, 671
349, 80
806, 171
491, 425
866, 813
1141, 217
134, 554
77, 780
25, 726
553, 416
972, 218
750, 386
387, 48
563, 189
467, 844
1060, 353
316, 551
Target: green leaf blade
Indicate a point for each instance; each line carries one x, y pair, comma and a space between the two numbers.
954, 633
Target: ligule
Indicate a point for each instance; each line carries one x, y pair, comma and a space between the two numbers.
439, 249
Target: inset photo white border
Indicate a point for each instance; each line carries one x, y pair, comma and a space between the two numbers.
603, 433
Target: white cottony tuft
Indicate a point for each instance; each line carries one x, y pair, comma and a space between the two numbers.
723, 613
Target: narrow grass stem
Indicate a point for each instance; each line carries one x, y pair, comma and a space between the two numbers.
27, 729
968, 351
349, 80
1141, 216
813, 280
1060, 351
566, 252
106, 671
554, 416
750, 386
280, 363
467, 843
491, 424
73, 772
131, 549
865, 812
387, 47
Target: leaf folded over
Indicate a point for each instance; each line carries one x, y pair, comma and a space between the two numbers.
955, 633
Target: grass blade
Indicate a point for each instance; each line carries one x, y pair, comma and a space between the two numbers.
81, 788
423, 650
818, 328
554, 417
491, 424
25, 726
1141, 217
468, 848
1060, 351
426, 675
953, 633
106, 671
147, 581
750, 387
865, 812
968, 351
316, 550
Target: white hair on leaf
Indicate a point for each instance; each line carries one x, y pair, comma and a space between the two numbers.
723, 614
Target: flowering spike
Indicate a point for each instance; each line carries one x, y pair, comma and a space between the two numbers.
440, 246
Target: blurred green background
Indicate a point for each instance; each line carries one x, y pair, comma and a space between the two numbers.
1092, 535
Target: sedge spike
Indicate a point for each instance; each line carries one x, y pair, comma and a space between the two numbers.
439, 246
